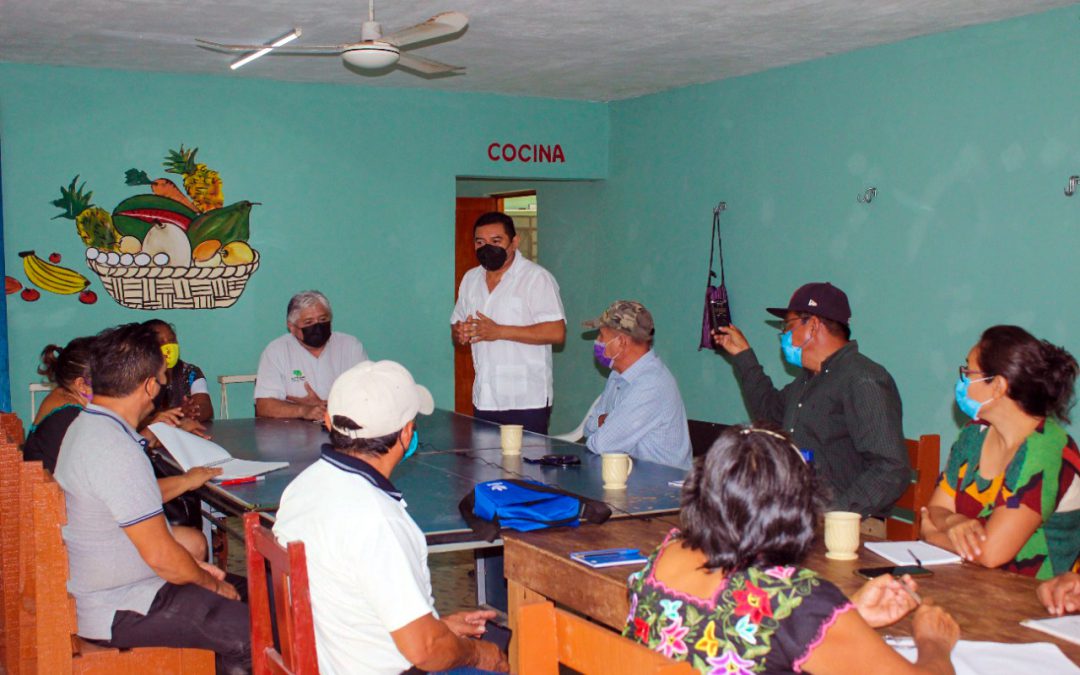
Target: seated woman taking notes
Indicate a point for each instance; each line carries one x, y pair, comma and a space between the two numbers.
727, 593
1009, 496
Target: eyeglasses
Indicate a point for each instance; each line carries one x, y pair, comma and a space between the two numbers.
786, 323
968, 372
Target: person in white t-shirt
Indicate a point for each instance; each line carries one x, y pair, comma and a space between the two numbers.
366, 557
297, 369
509, 310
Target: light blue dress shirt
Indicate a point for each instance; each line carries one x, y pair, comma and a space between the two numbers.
645, 415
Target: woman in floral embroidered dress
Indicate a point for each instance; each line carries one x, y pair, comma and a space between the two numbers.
726, 593
1010, 494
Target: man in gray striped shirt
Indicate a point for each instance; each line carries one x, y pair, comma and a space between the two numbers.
640, 412
843, 406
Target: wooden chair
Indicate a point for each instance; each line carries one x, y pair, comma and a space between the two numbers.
12, 428
38, 388
292, 604
225, 381
703, 434
47, 643
548, 637
904, 521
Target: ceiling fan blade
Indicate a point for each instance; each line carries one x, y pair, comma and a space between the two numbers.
437, 26
427, 66
298, 49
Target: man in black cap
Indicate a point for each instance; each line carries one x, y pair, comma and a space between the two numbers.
842, 406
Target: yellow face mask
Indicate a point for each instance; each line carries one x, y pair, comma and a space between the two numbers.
171, 351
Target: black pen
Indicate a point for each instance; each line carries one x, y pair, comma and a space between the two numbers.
915, 557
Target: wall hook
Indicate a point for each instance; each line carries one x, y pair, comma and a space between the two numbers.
1070, 189
866, 196
720, 208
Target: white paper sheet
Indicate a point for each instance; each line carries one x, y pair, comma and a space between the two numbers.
1063, 627
998, 658
897, 552
191, 451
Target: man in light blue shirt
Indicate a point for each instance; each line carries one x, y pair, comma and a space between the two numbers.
640, 412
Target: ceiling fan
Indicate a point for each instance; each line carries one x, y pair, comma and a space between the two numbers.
374, 50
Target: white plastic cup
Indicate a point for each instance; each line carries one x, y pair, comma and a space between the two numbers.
842, 535
510, 436
615, 469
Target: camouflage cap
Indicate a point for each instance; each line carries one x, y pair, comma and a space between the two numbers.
627, 316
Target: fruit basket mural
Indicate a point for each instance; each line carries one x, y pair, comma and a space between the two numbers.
169, 248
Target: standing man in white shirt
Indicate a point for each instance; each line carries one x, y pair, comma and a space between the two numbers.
297, 369
366, 558
509, 310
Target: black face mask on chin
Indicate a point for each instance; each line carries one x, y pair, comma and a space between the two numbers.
316, 335
491, 257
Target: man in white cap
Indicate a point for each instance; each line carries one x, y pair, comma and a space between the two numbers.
367, 559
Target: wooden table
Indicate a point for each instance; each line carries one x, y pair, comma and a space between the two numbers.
988, 604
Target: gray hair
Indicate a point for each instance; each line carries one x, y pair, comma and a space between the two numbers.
302, 301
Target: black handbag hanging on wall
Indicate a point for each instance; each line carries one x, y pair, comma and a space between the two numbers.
717, 308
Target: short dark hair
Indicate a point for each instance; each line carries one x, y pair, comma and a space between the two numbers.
496, 217
123, 358
158, 324
832, 326
62, 366
750, 500
379, 445
1041, 375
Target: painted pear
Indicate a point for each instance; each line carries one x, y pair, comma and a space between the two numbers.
169, 239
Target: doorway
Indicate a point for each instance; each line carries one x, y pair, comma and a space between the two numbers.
521, 206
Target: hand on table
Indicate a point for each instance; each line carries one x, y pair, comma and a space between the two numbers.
197, 476
171, 416
313, 407
1060, 594
730, 339
193, 426
933, 624
966, 535
469, 624
883, 601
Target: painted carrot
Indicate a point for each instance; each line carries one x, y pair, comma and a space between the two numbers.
163, 187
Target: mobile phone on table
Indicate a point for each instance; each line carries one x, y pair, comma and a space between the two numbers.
499, 635
895, 570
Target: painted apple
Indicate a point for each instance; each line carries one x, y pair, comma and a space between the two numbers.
88, 297
54, 257
30, 294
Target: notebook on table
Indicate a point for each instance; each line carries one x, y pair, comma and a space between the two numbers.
609, 557
1062, 627
191, 451
900, 553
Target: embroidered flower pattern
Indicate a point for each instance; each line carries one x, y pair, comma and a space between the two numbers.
671, 638
730, 664
746, 630
735, 631
708, 644
753, 602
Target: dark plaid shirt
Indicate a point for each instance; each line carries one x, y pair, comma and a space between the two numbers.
849, 414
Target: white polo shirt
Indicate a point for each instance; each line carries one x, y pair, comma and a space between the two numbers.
511, 375
285, 365
367, 562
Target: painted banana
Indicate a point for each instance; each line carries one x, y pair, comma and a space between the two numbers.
50, 277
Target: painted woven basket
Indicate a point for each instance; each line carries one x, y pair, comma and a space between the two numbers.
153, 287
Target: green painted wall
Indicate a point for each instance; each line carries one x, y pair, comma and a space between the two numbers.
969, 137
357, 189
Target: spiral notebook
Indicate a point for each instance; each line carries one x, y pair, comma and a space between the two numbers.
190, 451
899, 553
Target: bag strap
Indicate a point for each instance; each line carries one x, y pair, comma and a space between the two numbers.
716, 243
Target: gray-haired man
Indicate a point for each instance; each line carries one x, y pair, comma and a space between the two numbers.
297, 369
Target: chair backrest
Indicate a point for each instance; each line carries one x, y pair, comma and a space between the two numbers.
12, 428
904, 521
575, 435
225, 381
38, 388
547, 637
703, 434
292, 604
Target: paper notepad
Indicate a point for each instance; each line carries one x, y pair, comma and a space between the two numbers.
192, 451
897, 552
609, 557
1063, 627
998, 658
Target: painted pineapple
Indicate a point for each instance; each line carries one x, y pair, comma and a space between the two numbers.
94, 223
202, 184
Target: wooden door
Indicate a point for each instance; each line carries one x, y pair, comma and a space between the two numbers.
468, 210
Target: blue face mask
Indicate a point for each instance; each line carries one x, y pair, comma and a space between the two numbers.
792, 354
413, 445
968, 405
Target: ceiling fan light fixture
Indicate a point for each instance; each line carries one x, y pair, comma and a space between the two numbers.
371, 56
283, 40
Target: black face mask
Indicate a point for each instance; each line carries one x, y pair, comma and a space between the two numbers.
316, 335
492, 257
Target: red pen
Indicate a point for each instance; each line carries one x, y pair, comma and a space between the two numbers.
241, 481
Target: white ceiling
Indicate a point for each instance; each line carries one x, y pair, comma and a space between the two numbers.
581, 49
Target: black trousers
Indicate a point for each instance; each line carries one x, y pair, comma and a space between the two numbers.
533, 419
190, 616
